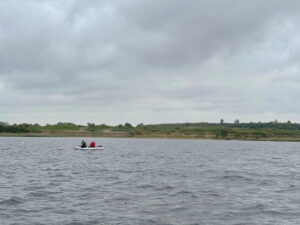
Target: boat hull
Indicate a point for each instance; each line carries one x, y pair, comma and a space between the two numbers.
89, 148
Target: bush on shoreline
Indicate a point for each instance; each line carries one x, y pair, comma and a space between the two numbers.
218, 130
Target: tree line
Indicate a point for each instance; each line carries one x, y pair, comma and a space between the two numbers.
166, 128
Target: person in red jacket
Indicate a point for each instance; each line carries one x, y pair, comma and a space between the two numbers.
93, 144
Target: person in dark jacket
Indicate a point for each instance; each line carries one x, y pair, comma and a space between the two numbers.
83, 144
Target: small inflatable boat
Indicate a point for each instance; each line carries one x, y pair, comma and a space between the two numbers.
89, 148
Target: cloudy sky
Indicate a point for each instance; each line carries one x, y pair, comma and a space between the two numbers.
116, 61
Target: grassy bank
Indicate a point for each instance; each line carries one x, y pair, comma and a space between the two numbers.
244, 131
175, 135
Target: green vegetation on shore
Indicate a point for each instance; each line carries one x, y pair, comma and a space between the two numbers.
239, 131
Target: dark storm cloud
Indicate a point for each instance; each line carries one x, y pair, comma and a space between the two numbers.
180, 31
201, 56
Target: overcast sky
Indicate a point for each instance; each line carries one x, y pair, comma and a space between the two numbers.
116, 61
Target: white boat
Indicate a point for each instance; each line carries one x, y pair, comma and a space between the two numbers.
89, 148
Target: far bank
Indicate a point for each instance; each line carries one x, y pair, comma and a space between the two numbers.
209, 136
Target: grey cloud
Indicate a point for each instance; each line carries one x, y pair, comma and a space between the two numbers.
181, 31
135, 56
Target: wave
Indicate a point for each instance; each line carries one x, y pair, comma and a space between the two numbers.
12, 201
145, 186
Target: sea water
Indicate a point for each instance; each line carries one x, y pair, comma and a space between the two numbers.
149, 181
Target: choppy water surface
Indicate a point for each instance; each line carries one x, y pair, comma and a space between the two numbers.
149, 181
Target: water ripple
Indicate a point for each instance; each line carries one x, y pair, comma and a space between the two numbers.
148, 181
12, 201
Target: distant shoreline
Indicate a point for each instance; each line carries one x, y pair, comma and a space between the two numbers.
208, 136
270, 131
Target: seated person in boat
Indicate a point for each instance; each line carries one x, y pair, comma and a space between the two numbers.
93, 144
83, 144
